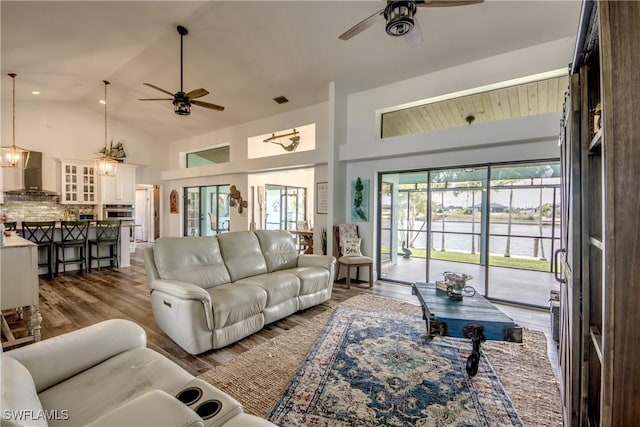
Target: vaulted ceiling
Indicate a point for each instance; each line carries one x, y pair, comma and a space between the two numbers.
244, 52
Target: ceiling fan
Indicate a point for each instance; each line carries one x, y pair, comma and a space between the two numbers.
399, 15
182, 101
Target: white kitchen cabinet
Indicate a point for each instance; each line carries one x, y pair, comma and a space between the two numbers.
119, 189
79, 185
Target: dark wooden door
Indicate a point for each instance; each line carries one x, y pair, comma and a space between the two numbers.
156, 212
568, 257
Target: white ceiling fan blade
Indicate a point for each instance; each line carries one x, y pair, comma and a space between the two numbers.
414, 37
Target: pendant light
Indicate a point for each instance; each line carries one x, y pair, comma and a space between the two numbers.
12, 156
105, 164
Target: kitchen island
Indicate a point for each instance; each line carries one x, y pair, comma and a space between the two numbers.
19, 287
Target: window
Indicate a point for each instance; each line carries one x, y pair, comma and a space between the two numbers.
210, 156
527, 99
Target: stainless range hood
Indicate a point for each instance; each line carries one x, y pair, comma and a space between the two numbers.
32, 178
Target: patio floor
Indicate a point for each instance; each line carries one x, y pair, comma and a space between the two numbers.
507, 284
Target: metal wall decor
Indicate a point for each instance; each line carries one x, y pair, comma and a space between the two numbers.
236, 199
295, 140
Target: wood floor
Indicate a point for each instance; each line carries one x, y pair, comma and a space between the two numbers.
74, 300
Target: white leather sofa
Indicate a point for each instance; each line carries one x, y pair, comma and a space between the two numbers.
104, 375
208, 292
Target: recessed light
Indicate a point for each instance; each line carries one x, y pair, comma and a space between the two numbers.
35, 92
102, 101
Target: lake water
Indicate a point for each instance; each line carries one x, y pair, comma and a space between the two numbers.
519, 246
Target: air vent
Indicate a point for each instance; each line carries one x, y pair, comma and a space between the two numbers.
281, 99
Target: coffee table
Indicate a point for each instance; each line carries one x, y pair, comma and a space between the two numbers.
473, 317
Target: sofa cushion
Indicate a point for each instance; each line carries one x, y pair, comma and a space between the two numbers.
312, 279
191, 259
235, 302
279, 286
242, 254
19, 395
278, 248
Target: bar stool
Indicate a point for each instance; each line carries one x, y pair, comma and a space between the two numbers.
11, 225
41, 233
73, 236
107, 234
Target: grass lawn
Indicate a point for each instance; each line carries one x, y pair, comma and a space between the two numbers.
494, 260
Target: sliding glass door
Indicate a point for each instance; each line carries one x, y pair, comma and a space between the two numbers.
284, 206
496, 223
206, 211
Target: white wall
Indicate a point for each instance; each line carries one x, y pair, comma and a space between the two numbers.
244, 172
66, 130
365, 153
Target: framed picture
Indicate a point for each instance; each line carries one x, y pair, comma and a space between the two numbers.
360, 200
322, 197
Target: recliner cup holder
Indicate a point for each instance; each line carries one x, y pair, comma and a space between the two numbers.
208, 409
189, 395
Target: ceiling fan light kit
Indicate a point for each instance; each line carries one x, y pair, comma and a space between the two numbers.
399, 16
13, 156
182, 101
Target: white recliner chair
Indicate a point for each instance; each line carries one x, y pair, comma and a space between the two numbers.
104, 375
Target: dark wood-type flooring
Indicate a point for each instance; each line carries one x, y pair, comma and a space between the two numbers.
74, 300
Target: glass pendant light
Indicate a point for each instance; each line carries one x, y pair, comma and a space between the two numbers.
12, 156
105, 164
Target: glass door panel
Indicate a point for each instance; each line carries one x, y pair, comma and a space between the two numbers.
457, 224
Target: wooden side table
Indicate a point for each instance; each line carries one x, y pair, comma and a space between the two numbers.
19, 287
473, 317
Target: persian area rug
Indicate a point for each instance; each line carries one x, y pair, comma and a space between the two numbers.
382, 369
259, 377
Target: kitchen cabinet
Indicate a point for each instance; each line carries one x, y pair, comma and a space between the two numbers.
119, 189
78, 183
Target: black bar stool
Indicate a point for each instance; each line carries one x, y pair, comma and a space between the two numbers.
41, 233
73, 236
107, 234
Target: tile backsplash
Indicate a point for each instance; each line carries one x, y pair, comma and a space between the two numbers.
30, 207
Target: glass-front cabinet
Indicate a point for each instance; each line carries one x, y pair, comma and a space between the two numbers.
78, 183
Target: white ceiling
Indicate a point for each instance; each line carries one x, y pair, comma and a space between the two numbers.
244, 52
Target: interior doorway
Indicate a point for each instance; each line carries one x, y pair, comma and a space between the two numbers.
206, 211
145, 228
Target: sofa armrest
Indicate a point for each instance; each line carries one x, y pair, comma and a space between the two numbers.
153, 408
56, 359
185, 290
311, 260
180, 289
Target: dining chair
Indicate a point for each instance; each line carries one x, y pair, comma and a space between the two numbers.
304, 242
347, 249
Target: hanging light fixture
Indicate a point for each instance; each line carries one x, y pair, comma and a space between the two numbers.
105, 164
12, 156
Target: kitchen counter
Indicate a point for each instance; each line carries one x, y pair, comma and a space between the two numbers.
125, 240
19, 287
15, 241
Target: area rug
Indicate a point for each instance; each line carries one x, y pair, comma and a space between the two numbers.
260, 376
377, 368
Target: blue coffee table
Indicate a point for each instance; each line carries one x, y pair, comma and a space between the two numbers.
472, 317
